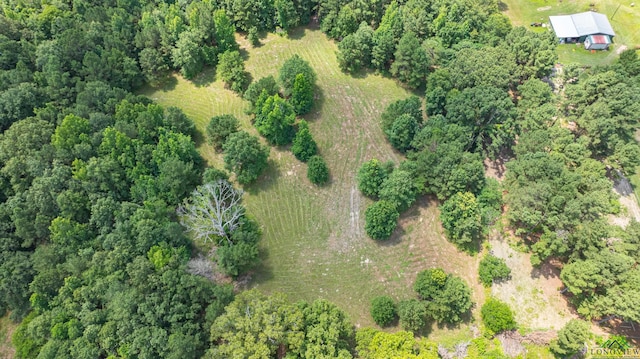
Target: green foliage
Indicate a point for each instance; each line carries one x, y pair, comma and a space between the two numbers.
244, 155
255, 89
383, 310
307, 330
381, 219
71, 132
275, 120
413, 314
534, 52
488, 113
302, 95
236, 259
354, 51
188, 55
497, 316
304, 146
411, 64
409, 106
491, 268
571, 338
220, 128
429, 283
231, 70
371, 175
317, 170
19, 102
399, 189
448, 297
372, 344
453, 302
402, 131
486, 67
461, 219
224, 32
289, 71
253, 37
328, 331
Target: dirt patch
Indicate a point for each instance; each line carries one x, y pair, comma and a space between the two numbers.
495, 168
621, 49
627, 198
532, 293
544, 8
7, 351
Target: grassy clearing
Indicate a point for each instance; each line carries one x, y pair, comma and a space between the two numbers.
314, 242
6, 330
624, 19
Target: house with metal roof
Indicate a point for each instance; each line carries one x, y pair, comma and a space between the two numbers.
591, 28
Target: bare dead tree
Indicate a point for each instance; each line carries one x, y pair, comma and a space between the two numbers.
213, 209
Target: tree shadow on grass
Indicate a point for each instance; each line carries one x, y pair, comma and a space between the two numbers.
266, 180
262, 272
205, 78
168, 84
502, 6
318, 103
297, 33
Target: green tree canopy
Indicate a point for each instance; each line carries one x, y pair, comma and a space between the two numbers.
371, 175
497, 316
491, 268
220, 128
317, 170
304, 146
275, 120
571, 338
244, 155
381, 219
383, 310
290, 69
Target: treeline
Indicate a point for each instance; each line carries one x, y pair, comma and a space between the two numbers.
92, 256
560, 184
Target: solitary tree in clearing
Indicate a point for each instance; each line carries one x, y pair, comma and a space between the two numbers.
213, 209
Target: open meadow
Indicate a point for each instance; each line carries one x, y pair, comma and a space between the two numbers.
314, 244
624, 18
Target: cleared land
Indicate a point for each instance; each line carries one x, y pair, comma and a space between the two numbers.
624, 18
314, 243
6, 330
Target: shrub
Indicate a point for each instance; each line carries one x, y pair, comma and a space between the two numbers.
302, 95
399, 189
381, 218
492, 267
290, 69
304, 145
402, 131
372, 175
497, 316
245, 156
317, 172
231, 70
413, 314
571, 338
430, 282
383, 310
219, 128
460, 216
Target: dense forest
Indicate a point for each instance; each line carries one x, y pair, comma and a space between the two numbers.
97, 184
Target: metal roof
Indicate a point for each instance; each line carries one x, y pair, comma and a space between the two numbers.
584, 23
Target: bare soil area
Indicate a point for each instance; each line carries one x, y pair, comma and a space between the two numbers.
533, 293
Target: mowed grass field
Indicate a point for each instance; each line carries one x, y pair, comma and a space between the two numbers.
624, 19
314, 244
